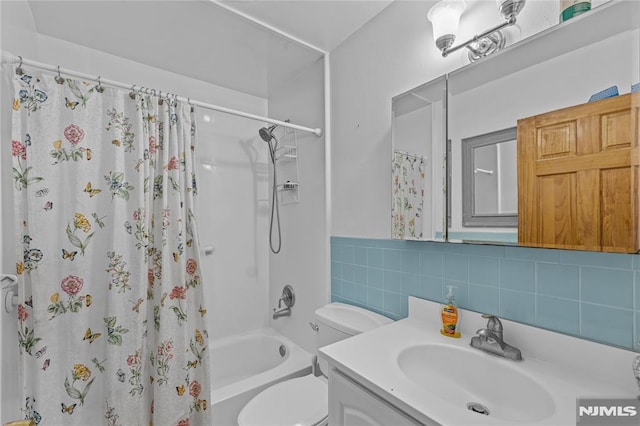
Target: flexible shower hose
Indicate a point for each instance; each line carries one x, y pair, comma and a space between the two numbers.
275, 208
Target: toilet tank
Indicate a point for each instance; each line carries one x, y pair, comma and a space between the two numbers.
338, 321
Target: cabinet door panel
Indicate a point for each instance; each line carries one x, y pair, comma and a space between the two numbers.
616, 207
578, 177
350, 404
588, 209
557, 215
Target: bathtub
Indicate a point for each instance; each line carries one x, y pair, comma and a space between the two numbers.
244, 365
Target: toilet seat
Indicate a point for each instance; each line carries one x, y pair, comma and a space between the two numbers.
300, 401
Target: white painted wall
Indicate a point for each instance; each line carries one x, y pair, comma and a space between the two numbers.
393, 53
302, 260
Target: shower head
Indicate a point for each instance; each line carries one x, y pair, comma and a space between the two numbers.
267, 133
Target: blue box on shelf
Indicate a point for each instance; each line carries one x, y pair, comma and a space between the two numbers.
606, 93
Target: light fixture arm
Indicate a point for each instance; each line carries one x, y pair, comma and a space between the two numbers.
510, 21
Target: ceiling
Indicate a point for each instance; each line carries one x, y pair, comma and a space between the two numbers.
206, 40
321, 23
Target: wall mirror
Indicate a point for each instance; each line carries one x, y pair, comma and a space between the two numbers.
417, 161
490, 180
555, 70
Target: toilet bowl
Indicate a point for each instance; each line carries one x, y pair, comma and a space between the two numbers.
299, 401
303, 401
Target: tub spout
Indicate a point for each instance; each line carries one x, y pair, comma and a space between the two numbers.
286, 312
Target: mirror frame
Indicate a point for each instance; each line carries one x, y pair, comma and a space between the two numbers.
469, 216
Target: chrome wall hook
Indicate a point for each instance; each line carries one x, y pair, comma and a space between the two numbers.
19, 70
59, 78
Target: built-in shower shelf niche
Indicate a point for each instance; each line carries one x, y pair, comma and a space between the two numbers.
288, 185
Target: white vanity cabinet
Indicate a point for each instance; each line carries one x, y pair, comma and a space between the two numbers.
352, 404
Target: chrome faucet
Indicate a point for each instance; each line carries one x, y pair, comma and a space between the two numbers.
491, 340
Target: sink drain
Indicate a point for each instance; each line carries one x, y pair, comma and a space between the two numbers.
476, 407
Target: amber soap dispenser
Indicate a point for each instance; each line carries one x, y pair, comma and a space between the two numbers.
450, 315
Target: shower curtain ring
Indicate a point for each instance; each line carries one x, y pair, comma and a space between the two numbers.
132, 95
160, 100
189, 102
19, 70
59, 78
99, 87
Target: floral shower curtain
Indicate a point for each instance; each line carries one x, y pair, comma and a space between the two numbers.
110, 315
408, 195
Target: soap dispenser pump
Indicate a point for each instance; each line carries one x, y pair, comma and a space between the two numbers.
450, 315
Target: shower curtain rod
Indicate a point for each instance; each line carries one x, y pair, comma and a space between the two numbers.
12, 59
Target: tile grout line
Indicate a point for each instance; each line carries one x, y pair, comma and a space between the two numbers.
635, 307
580, 301
535, 293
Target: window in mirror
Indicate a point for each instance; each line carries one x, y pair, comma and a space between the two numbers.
489, 175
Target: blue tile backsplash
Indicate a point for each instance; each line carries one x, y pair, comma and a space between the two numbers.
590, 295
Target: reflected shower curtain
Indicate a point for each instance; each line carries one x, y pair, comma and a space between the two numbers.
110, 315
408, 196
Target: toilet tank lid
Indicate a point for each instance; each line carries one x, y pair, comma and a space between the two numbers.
350, 319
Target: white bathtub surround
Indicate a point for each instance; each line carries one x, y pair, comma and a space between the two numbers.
246, 364
560, 366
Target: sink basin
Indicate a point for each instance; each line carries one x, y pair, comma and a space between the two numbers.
464, 377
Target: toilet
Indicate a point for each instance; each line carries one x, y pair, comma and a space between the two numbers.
303, 401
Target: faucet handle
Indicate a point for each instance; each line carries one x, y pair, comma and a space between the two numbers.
493, 322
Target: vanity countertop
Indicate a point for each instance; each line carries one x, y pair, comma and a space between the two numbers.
566, 368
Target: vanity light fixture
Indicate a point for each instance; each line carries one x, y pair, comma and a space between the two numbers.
445, 19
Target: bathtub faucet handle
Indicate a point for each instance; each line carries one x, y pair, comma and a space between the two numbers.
289, 298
